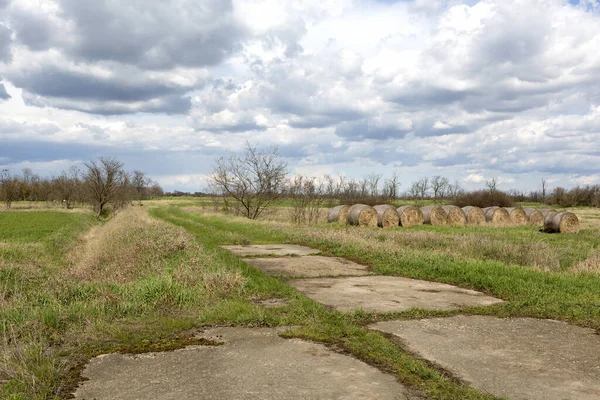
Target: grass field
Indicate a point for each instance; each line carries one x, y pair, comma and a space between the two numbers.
72, 287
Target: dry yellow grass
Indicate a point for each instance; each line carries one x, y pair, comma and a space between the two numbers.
591, 265
133, 245
128, 245
538, 255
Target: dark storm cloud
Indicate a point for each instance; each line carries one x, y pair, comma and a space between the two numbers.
51, 81
150, 34
33, 30
3, 93
52, 86
131, 39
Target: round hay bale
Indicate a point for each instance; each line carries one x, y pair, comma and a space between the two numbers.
362, 215
338, 214
496, 215
410, 216
534, 216
434, 215
517, 215
387, 216
475, 215
455, 215
565, 222
546, 211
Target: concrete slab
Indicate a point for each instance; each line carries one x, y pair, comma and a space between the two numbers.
388, 294
252, 364
309, 266
520, 358
271, 250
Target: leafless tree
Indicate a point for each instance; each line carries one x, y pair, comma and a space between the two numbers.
307, 196
390, 187
66, 187
102, 181
454, 190
374, 180
492, 184
439, 187
544, 188
9, 188
341, 185
420, 188
252, 180
140, 183
329, 190
363, 187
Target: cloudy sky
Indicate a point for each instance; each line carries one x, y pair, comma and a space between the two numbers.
464, 89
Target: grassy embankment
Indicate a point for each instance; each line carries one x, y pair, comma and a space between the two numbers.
138, 284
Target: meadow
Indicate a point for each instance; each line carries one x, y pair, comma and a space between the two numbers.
72, 287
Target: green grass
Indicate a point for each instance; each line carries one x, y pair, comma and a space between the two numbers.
138, 284
37, 226
530, 292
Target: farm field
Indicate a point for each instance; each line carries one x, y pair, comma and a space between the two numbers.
72, 287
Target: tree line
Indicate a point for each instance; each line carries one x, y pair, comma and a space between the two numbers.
99, 183
249, 182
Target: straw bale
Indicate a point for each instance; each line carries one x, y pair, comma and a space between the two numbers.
496, 215
410, 216
534, 216
338, 214
565, 222
387, 216
475, 215
362, 215
434, 215
455, 215
517, 215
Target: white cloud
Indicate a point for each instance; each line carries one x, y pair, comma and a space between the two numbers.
468, 89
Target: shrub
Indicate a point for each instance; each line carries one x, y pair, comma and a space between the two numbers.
483, 198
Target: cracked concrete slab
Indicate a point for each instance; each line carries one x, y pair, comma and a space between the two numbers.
520, 358
271, 250
388, 294
309, 266
251, 364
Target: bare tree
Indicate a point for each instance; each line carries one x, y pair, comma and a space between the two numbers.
391, 185
454, 189
420, 188
329, 190
307, 196
492, 184
140, 185
9, 188
252, 180
544, 188
363, 187
374, 180
102, 182
66, 186
439, 187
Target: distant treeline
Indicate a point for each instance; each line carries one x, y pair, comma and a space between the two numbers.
177, 193
100, 183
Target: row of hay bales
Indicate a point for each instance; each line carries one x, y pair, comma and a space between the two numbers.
388, 216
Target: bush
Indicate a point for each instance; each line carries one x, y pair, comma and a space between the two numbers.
483, 198
588, 196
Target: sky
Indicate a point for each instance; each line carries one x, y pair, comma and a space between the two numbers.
469, 90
